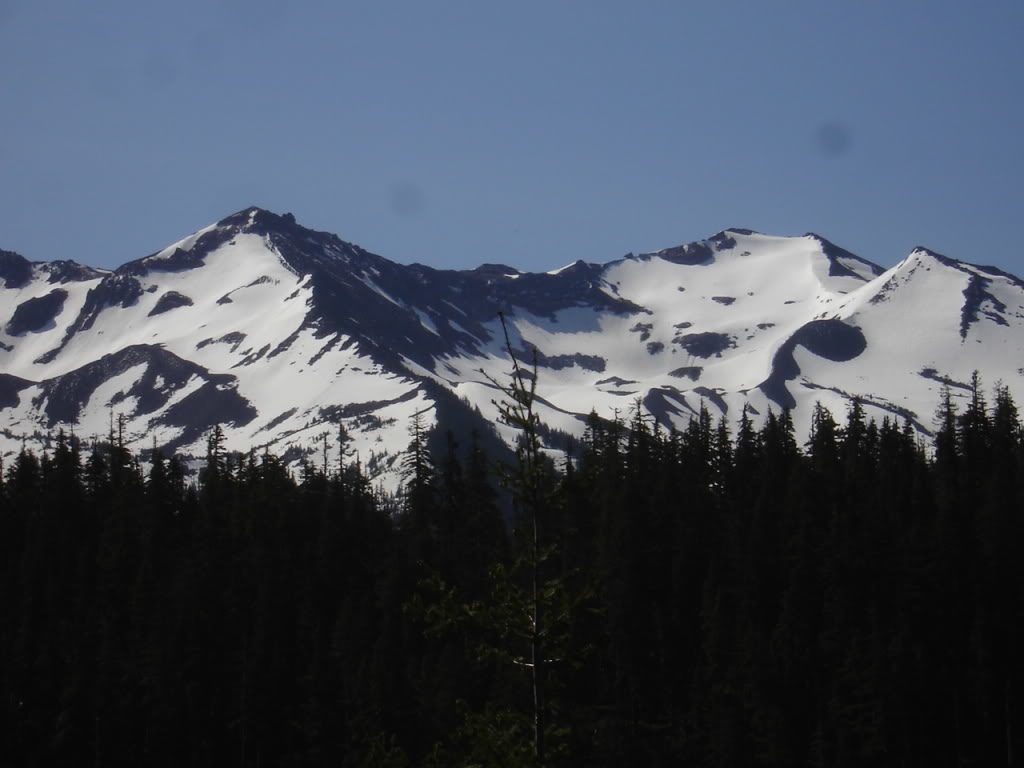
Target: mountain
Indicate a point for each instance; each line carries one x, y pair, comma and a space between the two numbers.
278, 333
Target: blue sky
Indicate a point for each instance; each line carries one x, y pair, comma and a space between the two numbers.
528, 133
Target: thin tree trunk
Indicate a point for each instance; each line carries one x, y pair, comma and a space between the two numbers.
537, 653
1007, 714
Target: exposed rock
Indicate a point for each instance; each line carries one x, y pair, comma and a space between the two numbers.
37, 314
170, 300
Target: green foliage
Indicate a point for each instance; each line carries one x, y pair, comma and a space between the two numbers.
493, 738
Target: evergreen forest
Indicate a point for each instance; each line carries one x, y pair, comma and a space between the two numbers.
730, 594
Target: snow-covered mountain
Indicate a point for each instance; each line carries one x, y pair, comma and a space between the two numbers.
278, 332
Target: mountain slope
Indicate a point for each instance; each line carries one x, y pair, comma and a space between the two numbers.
279, 332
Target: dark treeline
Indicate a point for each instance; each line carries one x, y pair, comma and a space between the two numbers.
721, 596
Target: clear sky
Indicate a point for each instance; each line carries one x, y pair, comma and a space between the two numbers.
528, 133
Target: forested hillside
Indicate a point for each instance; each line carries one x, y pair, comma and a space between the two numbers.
723, 596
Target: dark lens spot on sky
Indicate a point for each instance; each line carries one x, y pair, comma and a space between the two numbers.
833, 138
406, 198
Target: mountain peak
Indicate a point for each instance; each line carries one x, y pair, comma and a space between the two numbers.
842, 262
920, 253
257, 219
15, 269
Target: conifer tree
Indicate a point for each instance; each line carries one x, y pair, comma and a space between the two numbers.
529, 482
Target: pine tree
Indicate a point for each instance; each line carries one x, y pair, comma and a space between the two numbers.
529, 483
